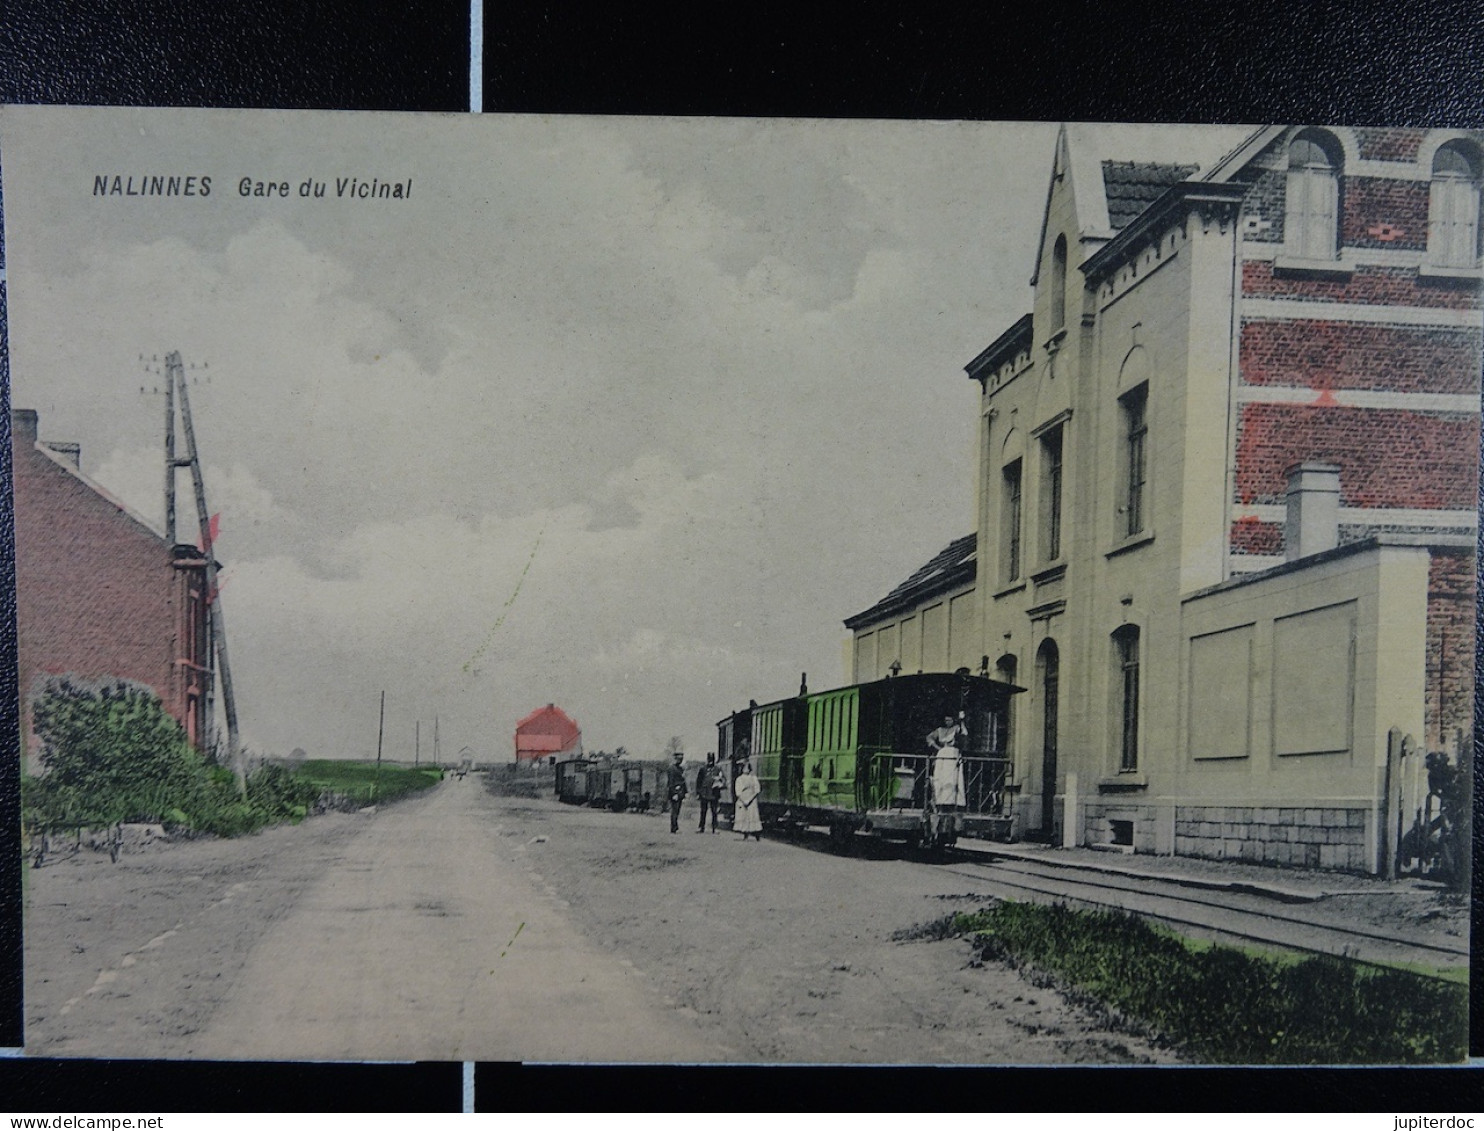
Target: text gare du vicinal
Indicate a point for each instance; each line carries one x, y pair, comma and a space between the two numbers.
350, 188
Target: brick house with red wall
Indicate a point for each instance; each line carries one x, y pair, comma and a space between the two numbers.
1227, 496
546, 732
99, 594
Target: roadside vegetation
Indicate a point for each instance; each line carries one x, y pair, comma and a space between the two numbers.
354, 784
111, 754
1229, 1006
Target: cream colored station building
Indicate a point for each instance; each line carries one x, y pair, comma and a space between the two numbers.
1227, 499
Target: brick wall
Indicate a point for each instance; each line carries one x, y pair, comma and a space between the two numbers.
1400, 144
1263, 204
1360, 356
1450, 646
1385, 213
97, 595
1382, 286
1387, 457
1253, 536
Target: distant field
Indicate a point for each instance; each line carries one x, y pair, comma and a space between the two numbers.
361, 782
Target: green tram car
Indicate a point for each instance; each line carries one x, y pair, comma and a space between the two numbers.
858, 759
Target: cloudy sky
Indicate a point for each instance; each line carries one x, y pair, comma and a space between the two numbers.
622, 414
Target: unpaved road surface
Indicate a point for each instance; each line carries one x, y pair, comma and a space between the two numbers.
461, 925
408, 933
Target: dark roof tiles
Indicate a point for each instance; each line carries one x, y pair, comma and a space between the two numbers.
950, 566
1131, 186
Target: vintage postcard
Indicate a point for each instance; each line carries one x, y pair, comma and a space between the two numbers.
743, 591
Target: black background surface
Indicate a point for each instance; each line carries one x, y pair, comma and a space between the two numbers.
1378, 64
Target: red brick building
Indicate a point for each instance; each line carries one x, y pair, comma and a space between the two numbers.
1227, 498
99, 594
1364, 351
545, 733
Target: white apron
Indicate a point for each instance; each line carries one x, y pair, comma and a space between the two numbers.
948, 777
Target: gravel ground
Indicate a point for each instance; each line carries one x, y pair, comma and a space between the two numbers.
794, 953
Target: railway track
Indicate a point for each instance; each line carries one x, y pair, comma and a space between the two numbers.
1226, 917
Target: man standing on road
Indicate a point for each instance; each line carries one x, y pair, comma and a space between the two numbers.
708, 790
675, 789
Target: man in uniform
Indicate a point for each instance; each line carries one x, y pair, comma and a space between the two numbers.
708, 790
675, 789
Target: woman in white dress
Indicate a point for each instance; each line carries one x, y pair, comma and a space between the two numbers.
948, 771
746, 789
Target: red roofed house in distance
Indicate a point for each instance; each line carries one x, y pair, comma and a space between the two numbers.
546, 732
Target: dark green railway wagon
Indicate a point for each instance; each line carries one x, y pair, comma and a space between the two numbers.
778, 733
858, 759
571, 781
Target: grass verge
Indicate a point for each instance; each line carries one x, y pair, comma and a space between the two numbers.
359, 783
1227, 1006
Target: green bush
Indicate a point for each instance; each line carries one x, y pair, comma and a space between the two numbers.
113, 753
1228, 1006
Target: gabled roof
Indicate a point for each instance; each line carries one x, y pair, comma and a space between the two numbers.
549, 719
951, 567
1131, 186
64, 463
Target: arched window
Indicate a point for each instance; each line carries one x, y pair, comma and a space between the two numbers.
1453, 209
1133, 506
1059, 285
1126, 688
1311, 212
1005, 671
1012, 508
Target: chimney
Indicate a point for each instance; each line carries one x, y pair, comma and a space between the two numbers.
23, 425
1313, 509
72, 453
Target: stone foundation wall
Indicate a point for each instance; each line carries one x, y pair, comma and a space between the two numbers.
1306, 837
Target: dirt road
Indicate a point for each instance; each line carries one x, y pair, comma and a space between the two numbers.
409, 933
461, 925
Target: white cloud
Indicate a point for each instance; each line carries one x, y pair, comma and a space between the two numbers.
625, 415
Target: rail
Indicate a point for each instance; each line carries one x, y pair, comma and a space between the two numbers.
968, 784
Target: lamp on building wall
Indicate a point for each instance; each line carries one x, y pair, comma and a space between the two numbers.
895, 667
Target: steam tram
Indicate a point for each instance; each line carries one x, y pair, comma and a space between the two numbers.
609, 783
858, 759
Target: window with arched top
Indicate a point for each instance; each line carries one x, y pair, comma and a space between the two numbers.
1005, 670
1453, 207
1126, 696
1059, 285
1312, 202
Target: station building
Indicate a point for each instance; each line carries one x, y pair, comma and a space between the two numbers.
100, 594
1227, 496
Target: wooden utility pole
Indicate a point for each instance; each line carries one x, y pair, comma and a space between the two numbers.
380, 730
175, 374
417, 742
170, 465
435, 741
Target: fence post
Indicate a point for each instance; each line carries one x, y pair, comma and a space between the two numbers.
1391, 805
